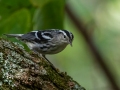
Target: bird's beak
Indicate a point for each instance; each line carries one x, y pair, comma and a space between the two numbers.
70, 43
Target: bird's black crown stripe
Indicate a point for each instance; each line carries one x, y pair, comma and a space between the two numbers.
67, 33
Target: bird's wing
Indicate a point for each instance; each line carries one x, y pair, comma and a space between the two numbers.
34, 36
28, 37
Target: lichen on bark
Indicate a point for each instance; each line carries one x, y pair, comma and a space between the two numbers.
24, 71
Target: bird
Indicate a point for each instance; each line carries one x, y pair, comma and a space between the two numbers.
46, 42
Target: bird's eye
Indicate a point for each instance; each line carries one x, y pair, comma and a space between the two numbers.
64, 36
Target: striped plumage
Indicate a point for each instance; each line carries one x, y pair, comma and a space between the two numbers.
50, 41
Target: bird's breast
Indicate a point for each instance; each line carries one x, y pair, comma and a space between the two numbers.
46, 48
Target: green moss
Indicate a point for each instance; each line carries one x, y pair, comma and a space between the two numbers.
11, 61
17, 66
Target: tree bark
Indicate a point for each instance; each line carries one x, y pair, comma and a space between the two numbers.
20, 70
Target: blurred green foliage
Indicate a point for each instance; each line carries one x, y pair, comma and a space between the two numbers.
15, 16
18, 22
102, 18
19, 16
50, 14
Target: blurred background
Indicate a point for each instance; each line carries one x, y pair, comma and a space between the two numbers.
101, 18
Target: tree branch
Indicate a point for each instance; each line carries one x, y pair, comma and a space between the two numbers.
23, 71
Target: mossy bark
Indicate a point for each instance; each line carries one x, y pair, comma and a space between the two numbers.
20, 70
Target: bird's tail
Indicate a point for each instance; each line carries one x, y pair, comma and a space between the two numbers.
13, 35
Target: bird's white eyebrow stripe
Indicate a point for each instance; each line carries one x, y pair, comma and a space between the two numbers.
63, 32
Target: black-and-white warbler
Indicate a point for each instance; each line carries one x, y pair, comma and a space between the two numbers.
44, 42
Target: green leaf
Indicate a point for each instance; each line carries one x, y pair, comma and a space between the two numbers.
50, 15
40, 3
18, 22
7, 7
